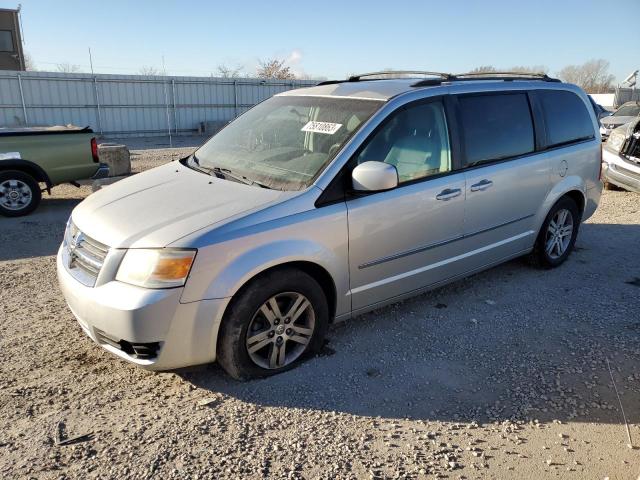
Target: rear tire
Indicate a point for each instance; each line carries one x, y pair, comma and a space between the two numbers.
20, 193
272, 324
557, 236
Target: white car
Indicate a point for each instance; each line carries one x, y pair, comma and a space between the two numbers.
628, 112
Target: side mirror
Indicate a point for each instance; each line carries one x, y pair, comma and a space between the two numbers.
374, 177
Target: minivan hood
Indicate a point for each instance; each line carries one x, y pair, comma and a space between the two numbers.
157, 207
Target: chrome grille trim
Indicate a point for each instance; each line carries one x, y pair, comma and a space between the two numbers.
84, 256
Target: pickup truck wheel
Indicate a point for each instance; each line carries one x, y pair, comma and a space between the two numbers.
274, 323
19, 193
557, 235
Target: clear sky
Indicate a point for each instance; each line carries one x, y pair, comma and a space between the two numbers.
330, 38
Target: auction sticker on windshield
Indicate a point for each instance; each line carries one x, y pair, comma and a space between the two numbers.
322, 127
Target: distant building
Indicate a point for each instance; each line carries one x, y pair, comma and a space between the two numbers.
11, 53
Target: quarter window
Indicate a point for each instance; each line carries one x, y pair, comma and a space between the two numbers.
565, 116
415, 140
6, 41
496, 127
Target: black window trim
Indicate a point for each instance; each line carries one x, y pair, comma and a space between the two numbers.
536, 118
339, 189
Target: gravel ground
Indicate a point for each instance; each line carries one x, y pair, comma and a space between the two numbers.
502, 375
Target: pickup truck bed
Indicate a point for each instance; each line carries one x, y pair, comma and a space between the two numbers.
43, 155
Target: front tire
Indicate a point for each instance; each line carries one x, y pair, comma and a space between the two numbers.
19, 193
558, 234
272, 324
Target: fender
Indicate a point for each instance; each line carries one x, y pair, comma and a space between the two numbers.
30, 167
567, 184
252, 262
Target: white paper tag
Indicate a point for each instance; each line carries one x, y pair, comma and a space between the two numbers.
322, 127
9, 155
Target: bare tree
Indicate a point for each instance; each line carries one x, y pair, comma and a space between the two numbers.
67, 68
274, 68
309, 76
532, 69
225, 71
516, 69
484, 69
29, 66
593, 76
148, 71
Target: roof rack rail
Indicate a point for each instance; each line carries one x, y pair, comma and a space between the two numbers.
400, 73
504, 76
440, 77
390, 74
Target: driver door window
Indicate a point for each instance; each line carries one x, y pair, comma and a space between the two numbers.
415, 140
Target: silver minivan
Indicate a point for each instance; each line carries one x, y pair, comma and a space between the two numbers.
326, 202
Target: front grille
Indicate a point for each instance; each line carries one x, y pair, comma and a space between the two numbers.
85, 256
140, 351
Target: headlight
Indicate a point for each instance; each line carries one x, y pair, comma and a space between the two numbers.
156, 268
616, 140
618, 136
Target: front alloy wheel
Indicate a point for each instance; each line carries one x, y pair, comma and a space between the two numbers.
280, 330
272, 324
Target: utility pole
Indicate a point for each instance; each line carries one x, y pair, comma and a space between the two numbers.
166, 101
90, 60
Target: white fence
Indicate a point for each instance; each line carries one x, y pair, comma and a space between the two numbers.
130, 104
626, 94
607, 100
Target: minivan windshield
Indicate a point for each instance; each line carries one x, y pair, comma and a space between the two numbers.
628, 111
284, 142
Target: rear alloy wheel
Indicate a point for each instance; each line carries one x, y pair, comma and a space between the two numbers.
19, 193
272, 324
558, 234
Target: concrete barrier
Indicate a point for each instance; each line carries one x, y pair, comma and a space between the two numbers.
117, 157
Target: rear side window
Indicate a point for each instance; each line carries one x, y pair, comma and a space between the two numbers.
566, 117
496, 126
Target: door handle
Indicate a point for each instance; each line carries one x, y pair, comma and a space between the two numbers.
481, 185
448, 194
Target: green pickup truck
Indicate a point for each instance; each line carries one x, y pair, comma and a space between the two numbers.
50, 156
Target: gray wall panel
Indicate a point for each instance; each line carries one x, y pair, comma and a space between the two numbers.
130, 104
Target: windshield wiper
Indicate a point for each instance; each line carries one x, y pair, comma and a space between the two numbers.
195, 165
239, 178
223, 173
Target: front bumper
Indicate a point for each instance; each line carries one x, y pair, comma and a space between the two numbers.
620, 171
119, 317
